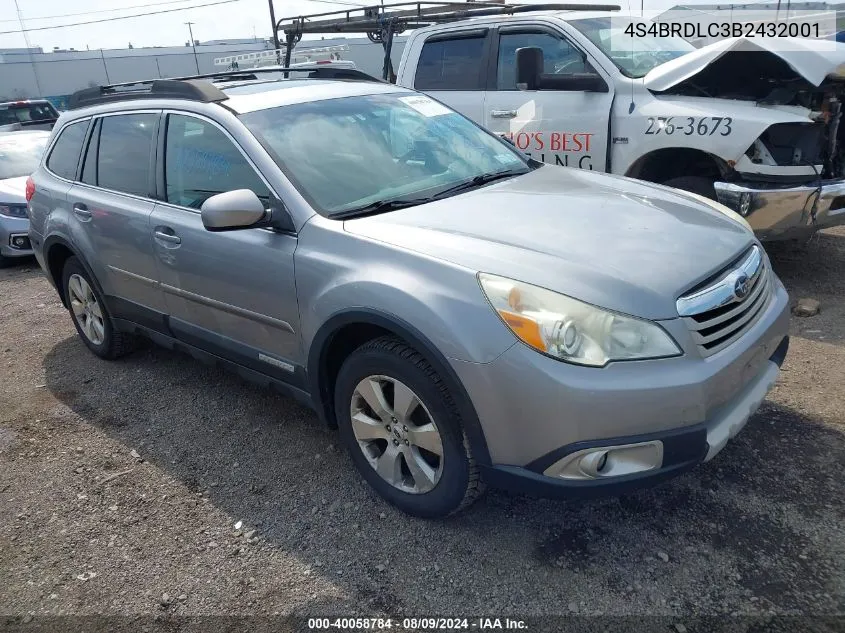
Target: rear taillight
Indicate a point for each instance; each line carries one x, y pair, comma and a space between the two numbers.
30, 188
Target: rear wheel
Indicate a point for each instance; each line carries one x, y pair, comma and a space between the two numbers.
400, 425
90, 315
694, 184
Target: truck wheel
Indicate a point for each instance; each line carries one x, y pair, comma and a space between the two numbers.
694, 184
402, 429
90, 315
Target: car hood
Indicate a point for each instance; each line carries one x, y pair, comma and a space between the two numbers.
13, 190
614, 242
780, 59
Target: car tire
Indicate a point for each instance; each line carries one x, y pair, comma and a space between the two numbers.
694, 184
91, 316
5, 261
419, 481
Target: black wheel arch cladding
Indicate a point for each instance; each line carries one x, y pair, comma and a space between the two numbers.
320, 383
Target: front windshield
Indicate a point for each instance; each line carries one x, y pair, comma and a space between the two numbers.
344, 154
20, 154
634, 56
27, 113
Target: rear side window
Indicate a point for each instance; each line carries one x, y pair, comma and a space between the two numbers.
451, 64
64, 157
201, 161
123, 160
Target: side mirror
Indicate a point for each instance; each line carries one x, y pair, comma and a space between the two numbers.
529, 67
232, 210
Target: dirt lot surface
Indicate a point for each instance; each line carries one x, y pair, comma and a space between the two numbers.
122, 485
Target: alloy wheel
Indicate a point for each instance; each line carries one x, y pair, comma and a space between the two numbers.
397, 434
86, 309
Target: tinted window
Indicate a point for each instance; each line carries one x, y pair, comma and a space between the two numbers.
450, 64
559, 56
201, 161
27, 113
65, 155
124, 153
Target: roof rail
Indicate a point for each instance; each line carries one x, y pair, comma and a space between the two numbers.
381, 22
201, 87
150, 89
315, 70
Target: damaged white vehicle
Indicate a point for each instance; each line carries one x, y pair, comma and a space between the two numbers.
738, 121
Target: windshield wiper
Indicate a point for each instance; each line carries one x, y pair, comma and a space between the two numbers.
476, 181
382, 206
379, 206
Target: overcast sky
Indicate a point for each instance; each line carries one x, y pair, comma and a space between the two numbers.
234, 19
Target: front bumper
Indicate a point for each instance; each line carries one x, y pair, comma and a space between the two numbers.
777, 213
681, 449
535, 410
14, 230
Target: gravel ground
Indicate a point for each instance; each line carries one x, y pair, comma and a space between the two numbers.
158, 485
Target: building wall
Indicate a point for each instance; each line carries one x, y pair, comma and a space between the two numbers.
61, 73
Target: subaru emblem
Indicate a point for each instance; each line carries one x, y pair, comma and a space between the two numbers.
741, 287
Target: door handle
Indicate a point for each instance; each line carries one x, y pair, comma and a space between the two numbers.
503, 114
81, 211
167, 237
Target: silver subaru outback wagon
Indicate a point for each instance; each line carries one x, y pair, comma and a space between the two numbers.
464, 315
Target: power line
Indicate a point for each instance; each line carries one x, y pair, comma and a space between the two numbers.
123, 17
70, 15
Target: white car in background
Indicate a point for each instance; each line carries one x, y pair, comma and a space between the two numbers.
20, 153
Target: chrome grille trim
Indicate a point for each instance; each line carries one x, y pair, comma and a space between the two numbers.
721, 292
720, 318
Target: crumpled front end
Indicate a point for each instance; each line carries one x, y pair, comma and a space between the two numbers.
791, 181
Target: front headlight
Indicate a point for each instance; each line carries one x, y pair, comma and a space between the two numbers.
571, 330
13, 210
718, 206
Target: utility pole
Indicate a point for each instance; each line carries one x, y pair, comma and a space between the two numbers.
105, 68
29, 50
193, 45
276, 44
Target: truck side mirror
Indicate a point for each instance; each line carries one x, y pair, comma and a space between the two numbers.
529, 67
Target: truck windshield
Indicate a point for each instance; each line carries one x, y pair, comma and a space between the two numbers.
376, 153
634, 56
20, 153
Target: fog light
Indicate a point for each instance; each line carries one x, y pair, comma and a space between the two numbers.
19, 241
744, 204
601, 462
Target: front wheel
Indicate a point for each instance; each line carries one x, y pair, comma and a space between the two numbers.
403, 432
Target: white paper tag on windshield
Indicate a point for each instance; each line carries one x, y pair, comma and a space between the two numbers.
425, 106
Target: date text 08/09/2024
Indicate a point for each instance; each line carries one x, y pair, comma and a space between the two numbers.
418, 624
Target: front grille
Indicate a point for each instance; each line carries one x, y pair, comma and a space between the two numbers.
716, 315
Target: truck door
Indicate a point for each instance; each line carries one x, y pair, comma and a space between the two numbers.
557, 126
451, 69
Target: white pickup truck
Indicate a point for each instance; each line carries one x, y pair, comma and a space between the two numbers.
736, 121
750, 123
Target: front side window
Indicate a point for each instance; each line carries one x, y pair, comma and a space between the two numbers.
125, 143
559, 56
20, 153
64, 157
450, 64
201, 161
634, 56
344, 154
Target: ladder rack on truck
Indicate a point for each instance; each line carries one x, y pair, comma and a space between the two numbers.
381, 22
